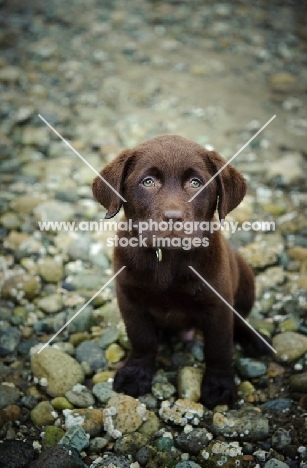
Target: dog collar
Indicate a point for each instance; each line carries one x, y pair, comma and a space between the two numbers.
159, 254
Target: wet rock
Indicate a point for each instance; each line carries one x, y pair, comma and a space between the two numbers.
9, 395
103, 391
90, 352
123, 414
52, 436
59, 456
50, 270
80, 396
114, 353
91, 420
245, 424
20, 286
193, 440
289, 346
75, 437
16, 454
181, 412
43, 414
61, 371
9, 340
251, 368
51, 304
281, 438
189, 383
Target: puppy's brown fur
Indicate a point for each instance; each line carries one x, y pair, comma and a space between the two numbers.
157, 179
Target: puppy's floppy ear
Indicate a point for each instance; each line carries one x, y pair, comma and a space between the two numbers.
114, 173
231, 184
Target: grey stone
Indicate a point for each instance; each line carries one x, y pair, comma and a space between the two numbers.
245, 424
16, 454
9, 340
80, 396
274, 463
112, 460
90, 352
281, 439
279, 404
251, 368
108, 337
9, 395
103, 391
75, 437
193, 441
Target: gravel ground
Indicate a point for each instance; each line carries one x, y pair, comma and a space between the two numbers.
108, 75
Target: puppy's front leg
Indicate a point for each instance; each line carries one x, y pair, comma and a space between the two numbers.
136, 376
218, 385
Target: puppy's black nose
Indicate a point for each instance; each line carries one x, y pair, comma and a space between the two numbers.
173, 214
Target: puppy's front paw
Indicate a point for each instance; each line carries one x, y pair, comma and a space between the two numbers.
133, 379
218, 389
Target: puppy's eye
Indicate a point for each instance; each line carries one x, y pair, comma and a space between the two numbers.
148, 182
195, 183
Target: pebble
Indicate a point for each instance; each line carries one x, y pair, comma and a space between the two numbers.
51, 304
181, 412
50, 270
278, 404
289, 346
9, 340
75, 437
281, 439
43, 414
130, 444
263, 253
123, 414
275, 463
20, 286
52, 436
53, 211
189, 383
97, 444
103, 391
59, 456
298, 382
91, 420
61, 371
103, 376
151, 425
61, 403
165, 443
10, 413
90, 352
9, 395
108, 461
244, 424
80, 396
163, 390
187, 464
114, 353
10, 74
287, 171
194, 440
108, 337
250, 367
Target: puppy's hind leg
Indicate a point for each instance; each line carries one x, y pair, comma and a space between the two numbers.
244, 301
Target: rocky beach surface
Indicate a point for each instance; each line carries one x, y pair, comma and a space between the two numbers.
109, 75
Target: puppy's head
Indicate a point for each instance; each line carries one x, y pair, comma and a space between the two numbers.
159, 177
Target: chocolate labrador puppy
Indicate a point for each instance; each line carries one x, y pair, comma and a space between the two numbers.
157, 289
